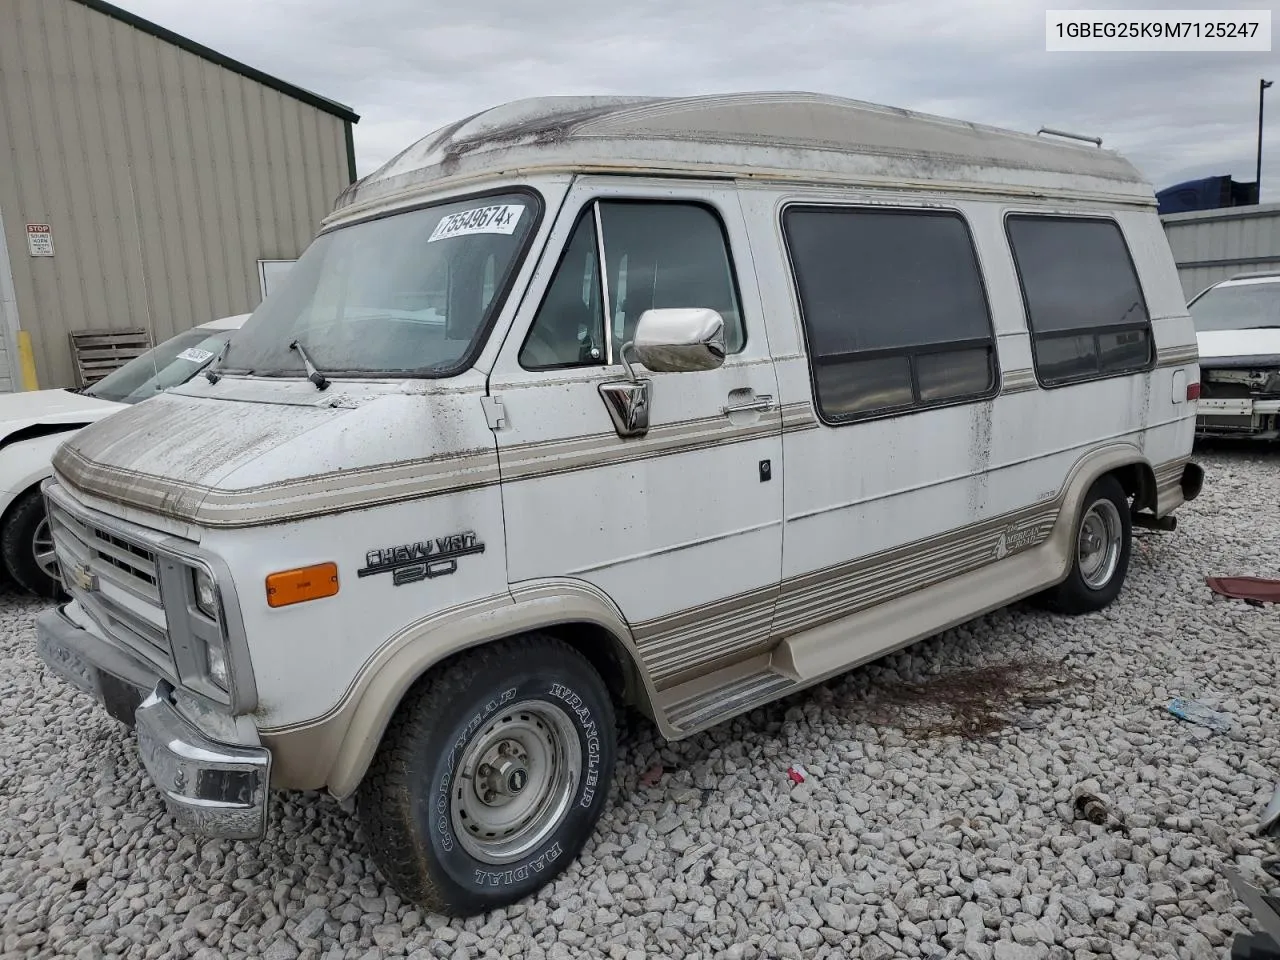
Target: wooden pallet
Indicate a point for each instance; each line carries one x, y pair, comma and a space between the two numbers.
97, 353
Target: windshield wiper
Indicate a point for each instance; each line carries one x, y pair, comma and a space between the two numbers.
314, 375
208, 372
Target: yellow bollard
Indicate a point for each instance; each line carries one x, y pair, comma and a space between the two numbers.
28, 361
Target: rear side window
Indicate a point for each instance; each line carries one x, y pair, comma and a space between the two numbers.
1085, 308
894, 311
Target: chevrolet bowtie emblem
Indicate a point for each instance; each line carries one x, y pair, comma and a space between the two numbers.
81, 576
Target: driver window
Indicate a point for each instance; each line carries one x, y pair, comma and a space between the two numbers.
663, 255
659, 254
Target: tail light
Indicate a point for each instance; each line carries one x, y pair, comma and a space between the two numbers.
1193, 391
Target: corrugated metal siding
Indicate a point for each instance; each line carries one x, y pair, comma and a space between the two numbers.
1211, 245
165, 177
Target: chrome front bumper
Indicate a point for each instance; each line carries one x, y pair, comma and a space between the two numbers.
212, 789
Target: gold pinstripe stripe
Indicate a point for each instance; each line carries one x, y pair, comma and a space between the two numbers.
714, 635
1178, 356
271, 503
1018, 381
410, 479
838, 591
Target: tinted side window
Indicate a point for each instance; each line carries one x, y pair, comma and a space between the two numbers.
893, 306
1084, 304
658, 254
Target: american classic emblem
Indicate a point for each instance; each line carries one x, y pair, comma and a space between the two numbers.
423, 560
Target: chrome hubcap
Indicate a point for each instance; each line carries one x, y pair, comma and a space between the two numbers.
42, 549
1098, 544
515, 782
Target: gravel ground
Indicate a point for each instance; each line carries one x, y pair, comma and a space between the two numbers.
938, 818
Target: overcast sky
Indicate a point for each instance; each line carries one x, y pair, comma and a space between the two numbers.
407, 67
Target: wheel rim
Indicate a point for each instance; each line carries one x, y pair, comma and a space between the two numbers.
42, 549
1098, 544
515, 782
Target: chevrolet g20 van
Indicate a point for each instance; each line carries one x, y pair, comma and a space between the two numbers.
679, 404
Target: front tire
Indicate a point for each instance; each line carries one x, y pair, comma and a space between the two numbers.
27, 547
491, 776
1100, 552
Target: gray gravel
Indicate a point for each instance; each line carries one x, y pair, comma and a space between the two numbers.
938, 819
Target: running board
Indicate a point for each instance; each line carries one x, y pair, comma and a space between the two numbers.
814, 655
707, 701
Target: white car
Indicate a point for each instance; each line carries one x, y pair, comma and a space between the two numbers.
32, 424
1238, 332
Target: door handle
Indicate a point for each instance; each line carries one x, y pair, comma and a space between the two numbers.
761, 404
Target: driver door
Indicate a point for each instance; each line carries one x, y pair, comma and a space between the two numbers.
681, 525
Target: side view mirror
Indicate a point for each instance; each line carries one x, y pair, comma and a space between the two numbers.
677, 340
666, 341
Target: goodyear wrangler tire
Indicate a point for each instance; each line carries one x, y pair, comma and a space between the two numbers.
1100, 552
491, 776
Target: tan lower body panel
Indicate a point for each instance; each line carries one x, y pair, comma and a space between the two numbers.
817, 654
683, 646
835, 619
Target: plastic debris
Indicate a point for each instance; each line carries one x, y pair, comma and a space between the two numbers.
651, 776
1252, 590
797, 773
1193, 711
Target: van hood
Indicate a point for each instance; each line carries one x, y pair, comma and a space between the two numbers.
42, 412
227, 461
1238, 344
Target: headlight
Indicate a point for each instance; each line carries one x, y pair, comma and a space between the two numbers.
206, 594
205, 629
218, 665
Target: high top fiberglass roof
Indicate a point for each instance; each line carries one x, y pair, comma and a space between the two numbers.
793, 136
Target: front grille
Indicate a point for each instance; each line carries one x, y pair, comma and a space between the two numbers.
123, 589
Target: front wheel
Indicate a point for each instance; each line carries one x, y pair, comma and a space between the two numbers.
27, 547
1100, 554
491, 776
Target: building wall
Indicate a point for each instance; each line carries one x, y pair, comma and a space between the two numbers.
1211, 245
165, 178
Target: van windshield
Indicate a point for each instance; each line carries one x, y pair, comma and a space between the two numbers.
404, 295
1245, 306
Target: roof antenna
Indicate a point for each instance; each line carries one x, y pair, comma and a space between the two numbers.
1072, 136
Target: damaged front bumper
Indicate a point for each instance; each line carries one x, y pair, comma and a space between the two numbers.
212, 789
1238, 417
1240, 397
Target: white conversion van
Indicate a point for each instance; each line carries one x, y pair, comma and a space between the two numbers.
682, 404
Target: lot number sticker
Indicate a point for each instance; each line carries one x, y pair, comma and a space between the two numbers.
500, 219
195, 355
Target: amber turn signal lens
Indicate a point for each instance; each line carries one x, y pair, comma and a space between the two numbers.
305, 583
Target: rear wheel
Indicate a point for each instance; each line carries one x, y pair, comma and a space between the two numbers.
1101, 547
491, 776
26, 546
